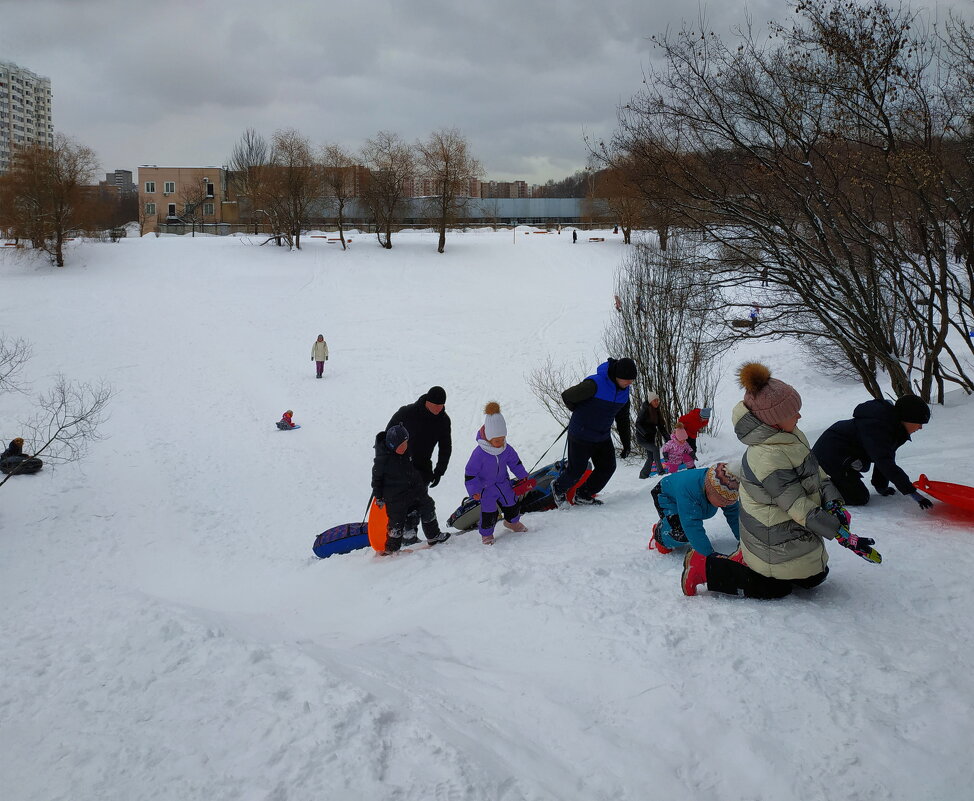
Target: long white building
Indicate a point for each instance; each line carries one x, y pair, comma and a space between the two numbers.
25, 110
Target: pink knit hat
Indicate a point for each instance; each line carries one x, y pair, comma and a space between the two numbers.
768, 399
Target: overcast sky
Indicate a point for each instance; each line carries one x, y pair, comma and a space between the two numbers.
175, 82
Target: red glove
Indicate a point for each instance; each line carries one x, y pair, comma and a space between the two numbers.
524, 486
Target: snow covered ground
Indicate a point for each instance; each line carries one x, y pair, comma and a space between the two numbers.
166, 633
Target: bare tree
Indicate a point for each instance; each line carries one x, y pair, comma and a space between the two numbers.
293, 185
339, 181
547, 383
43, 193
66, 422
194, 198
670, 323
833, 163
391, 163
444, 158
14, 354
247, 170
616, 186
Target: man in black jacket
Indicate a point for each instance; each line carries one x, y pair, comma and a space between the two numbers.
597, 402
877, 429
428, 425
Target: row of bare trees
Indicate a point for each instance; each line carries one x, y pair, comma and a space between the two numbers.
828, 174
288, 181
46, 194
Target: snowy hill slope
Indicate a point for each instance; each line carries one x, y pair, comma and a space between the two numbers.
168, 635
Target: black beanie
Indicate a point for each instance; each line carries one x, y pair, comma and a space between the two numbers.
624, 369
436, 395
911, 409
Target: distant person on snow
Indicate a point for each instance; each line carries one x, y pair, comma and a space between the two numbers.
13, 459
401, 488
685, 500
651, 433
694, 422
574, 237
319, 354
876, 431
286, 421
789, 507
429, 427
677, 451
486, 476
595, 403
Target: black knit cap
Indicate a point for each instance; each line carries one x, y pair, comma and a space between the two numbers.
436, 395
624, 369
396, 436
911, 409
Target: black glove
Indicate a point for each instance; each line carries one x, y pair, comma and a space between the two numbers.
883, 488
923, 503
624, 453
436, 479
379, 502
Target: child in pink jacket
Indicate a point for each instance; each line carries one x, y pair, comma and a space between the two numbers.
677, 451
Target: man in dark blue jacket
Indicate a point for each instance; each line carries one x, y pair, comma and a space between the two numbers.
595, 403
877, 429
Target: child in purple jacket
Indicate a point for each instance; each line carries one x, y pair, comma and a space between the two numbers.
486, 477
677, 451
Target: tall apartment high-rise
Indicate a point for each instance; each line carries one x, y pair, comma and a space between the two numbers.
25, 110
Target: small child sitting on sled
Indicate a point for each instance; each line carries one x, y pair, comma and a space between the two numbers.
286, 422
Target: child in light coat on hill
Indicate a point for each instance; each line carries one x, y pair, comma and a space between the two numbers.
677, 451
486, 476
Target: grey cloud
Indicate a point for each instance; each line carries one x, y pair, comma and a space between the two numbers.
179, 81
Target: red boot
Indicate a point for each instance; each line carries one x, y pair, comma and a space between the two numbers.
654, 541
694, 571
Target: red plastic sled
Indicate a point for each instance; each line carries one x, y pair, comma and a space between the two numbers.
958, 495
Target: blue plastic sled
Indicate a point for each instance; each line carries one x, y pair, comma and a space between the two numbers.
341, 539
285, 428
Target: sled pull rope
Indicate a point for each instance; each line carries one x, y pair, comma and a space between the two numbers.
368, 506
550, 447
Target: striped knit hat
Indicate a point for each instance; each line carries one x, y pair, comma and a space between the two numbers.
724, 479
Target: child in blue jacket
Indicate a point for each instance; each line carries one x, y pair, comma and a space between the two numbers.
684, 500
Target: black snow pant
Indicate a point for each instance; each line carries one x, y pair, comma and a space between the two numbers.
853, 489
400, 514
730, 577
603, 456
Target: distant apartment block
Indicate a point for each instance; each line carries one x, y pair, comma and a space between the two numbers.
25, 111
122, 179
505, 189
426, 187
184, 194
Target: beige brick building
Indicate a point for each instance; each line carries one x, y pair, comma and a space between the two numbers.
188, 194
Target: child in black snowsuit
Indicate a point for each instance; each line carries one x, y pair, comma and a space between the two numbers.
401, 487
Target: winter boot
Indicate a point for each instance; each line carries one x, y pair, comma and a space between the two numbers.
694, 571
519, 527
559, 498
656, 543
488, 540
437, 538
586, 500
